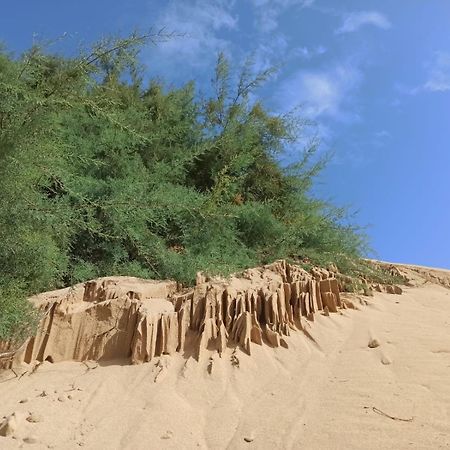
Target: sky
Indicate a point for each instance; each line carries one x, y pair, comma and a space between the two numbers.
373, 76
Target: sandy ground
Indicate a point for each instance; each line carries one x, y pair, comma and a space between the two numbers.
333, 392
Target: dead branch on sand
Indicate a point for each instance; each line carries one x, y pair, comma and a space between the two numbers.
382, 413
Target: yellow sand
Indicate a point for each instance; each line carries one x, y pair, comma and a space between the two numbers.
329, 392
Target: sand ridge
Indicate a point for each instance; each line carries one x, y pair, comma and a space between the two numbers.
129, 318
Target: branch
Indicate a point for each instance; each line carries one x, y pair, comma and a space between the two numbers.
154, 38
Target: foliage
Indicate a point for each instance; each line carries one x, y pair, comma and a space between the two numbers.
18, 318
102, 174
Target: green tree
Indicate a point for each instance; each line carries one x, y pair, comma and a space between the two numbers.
102, 173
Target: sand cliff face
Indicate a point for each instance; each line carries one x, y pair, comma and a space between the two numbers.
123, 317
129, 318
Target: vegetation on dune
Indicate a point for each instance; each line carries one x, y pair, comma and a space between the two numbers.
102, 173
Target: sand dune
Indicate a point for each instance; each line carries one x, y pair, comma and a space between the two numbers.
328, 390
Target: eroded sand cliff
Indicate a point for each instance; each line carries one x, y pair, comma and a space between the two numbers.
375, 375
122, 317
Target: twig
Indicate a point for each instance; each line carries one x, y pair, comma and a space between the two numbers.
234, 359
72, 388
89, 367
382, 413
161, 368
22, 374
36, 367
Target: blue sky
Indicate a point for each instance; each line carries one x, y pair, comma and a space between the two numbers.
373, 75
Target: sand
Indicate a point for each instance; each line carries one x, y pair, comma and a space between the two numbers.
327, 391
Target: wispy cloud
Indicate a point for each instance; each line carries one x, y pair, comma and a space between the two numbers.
356, 20
324, 96
439, 73
309, 52
438, 76
270, 45
382, 134
323, 93
270, 52
210, 27
202, 22
275, 52
268, 12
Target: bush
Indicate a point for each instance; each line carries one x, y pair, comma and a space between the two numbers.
18, 318
103, 174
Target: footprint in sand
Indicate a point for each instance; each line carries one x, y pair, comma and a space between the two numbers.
249, 437
167, 435
31, 440
34, 418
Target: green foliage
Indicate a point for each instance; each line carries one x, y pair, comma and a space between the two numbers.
361, 269
102, 174
18, 318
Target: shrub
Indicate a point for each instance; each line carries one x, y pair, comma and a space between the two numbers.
104, 174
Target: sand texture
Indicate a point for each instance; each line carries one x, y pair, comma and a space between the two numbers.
275, 358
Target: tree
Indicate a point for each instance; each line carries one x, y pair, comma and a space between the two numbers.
101, 174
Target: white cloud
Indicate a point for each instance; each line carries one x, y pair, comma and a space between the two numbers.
326, 93
269, 53
438, 76
439, 73
382, 134
272, 47
355, 20
276, 52
201, 22
309, 52
210, 27
267, 12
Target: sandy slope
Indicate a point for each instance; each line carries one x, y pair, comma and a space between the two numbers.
314, 395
